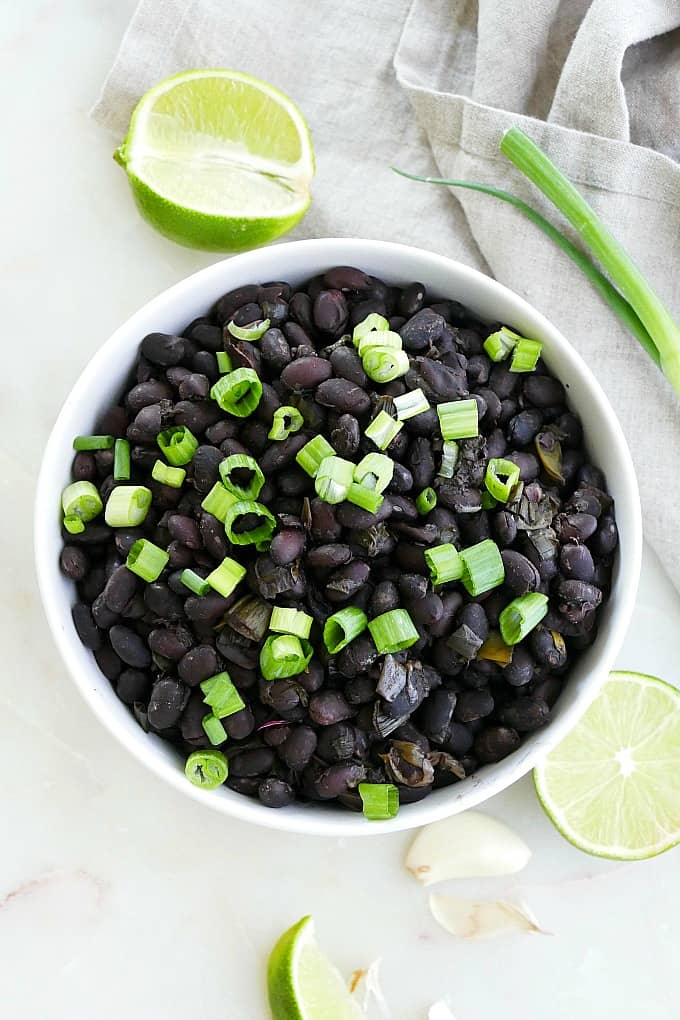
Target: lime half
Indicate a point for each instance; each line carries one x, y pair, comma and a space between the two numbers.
218, 160
303, 984
612, 787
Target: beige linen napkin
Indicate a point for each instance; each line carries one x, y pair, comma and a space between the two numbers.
595, 83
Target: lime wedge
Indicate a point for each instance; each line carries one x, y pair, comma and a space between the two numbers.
303, 984
612, 787
219, 160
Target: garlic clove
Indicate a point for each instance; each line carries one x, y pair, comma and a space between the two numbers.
473, 919
469, 845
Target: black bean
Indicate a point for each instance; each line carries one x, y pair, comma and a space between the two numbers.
171, 642
84, 467
330, 311
129, 646
133, 685
275, 350
350, 516
163, 348
196, 386
422, 329
548, 647
412, 299
576, 562
345, 582
420, 462
108, 662
282, 453
119, 589
521, 575
87, 630
347, 365
472, 705
198, 664
343, 396
102, 615
328, 557
325, 526
185, 530
606, 538
275, 793
257, 762
147, 393
574, 527
346, 436
338, 779
247, 314
496, 742
234, 299
527, 463
206, 609
347, 278
525, 714
239, 725
543, 390
73, 562
369, 306
524, 426
298, 748
520, 670
196, 415
306, 373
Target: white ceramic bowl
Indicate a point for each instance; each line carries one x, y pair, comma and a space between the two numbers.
101, 383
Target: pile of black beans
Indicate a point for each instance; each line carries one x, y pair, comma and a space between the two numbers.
423, 718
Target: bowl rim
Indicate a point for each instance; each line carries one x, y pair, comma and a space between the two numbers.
309, 820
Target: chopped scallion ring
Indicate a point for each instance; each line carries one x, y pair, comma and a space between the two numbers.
218, 501
224, 364
459, 419
127, 506
146, 560
393, 631
74, 524
81, 500
342, 627
93, 442
313, 454
206, 769
383, 429
380, 801
367, 499
121, 461
333, 479
284, 655
482, 567
254, 331
411, 403
444, 563
382, 365
450, 451
194, 582
214, 730
238, 392
379, 338
178, 444
220, 694
488, 501
500, 344
165, 475
223, 579
285, 422
374, 471
259, 533
290, 621
426, 501
232, 470
370, 324
501, 478
525, 355
521, 616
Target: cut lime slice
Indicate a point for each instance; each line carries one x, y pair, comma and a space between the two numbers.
218, 160
612, 787
303, 984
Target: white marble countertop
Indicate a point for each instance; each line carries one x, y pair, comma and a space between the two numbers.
118, 897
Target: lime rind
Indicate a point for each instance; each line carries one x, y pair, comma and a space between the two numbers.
633, 726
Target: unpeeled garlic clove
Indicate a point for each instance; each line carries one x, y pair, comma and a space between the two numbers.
473, 919
469, 845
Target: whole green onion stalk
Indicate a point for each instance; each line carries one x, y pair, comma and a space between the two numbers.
637, 307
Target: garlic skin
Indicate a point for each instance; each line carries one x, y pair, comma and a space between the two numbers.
469, 845
473, 919
440, 1011
368, 982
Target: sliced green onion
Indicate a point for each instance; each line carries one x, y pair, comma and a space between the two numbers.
521, 616
367, 499
93, 442
261, 533
379, 338
238, 392
74, 524
342, 627
207, 769
165, 475
194, 582
224, 364
178, 444
284, 655
146, 560
444, 563
223, 579
382, 365
214, 730
450, 451
383, 429
459, 419
657, 320
426, 500
393, 631
127, 506
374, 471
313, 454
218, 501
525, 356
251, 332
501, 478
242, 462
290, 621
82, 500
380, 801
285, 422
482, 567
411, 403
121, 461
220, 694
488, 501
333, 479
370, 324
500, 344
